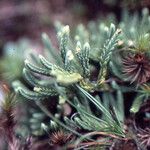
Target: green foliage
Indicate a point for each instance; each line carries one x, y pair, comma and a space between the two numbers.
143, 95
105, 54
88, 74
134, 25
134, 40
36, 121
48, 79
108, 122
75, 69
12, 62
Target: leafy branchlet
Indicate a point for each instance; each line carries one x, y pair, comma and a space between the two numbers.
106, 52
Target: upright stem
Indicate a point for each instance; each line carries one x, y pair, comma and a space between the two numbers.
102, 75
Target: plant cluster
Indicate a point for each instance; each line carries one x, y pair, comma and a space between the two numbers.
79, 92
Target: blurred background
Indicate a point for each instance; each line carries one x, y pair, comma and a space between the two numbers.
29, 18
